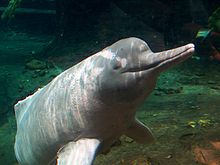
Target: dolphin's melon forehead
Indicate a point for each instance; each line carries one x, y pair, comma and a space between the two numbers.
129, 45
107, 53
130, 41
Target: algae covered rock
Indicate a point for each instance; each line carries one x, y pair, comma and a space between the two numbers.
214, 20
36, 64
9, 11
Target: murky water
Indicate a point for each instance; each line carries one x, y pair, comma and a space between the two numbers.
183, 111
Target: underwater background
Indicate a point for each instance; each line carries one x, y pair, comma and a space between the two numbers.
41, 38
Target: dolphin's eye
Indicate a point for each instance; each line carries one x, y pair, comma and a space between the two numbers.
116, 63
143, 48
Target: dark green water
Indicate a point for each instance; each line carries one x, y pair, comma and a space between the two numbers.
183, 111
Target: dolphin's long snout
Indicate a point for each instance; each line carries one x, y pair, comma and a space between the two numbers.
160, 60
167, 59
186, 50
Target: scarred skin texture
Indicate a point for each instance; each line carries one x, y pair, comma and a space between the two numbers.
97, 99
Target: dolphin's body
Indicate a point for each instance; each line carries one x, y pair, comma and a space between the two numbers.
87, 107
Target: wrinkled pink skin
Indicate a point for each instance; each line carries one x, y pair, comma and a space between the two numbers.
96, 98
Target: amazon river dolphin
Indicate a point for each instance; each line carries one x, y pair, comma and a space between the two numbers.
82, 111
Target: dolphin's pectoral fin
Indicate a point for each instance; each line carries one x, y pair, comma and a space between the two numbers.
140, 133
80, 152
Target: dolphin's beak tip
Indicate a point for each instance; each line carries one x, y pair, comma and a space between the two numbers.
190, 48
191, 45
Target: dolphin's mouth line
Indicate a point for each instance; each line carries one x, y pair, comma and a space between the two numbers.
141, 69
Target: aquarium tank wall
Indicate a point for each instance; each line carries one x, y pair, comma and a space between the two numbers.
112, 82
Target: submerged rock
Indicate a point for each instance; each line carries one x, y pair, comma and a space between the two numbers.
168, 90
214, 20
36, 64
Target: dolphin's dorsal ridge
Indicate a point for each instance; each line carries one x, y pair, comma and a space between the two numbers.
22, 106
